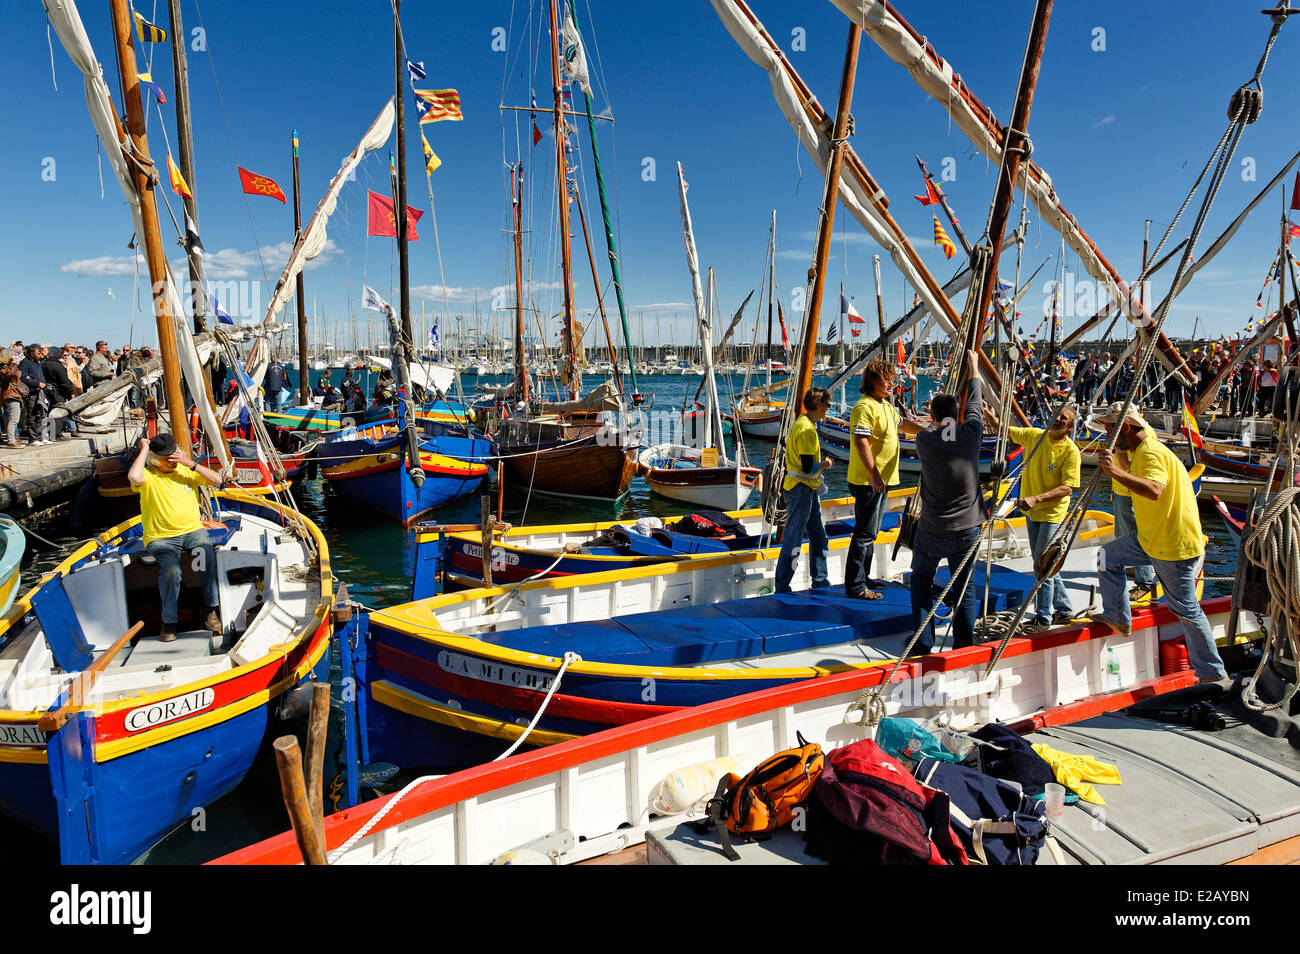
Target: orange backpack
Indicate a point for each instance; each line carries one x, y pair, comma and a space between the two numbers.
766, 798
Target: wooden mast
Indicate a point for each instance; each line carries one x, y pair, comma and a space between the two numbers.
143, 172
185, 153
600, 302
521, 368
880, 305
1016, 147
399, 204
304, 385
826, 228
562, 191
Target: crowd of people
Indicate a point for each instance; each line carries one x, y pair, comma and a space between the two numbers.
1248, 388
1157, 527
36, 378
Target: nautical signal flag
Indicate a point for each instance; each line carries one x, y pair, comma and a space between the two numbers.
416, 70
1189, 425
930, 198
831, 331
941, 239
848, 311
259, 185
785, 338
537, 133
179, 185
1295, 192
146, 80
431, 161
440, 104
383, 222
1292, 232
147, 32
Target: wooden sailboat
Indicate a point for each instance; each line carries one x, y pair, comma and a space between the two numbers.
702, 475
108, 737
567, 449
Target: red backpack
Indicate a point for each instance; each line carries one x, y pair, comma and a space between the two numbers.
868, 809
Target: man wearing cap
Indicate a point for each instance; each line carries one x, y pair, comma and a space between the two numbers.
1168, 537
166, 478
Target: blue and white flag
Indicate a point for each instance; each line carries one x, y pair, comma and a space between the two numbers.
220, 312
416, 70
1005, 292
433, 337
831, 331
370, 300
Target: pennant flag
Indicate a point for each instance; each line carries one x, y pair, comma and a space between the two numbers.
930, 197
146, 80
831, 331
147, 32
192, 236
370, 299
442, 104
1295, 192
1189, 425
537, 133
941, 239
416, 70
220, 312
433, 337
383, 222
259, 185
431, 161
785, 338
179, 185
848, 311
900, 357
575, 61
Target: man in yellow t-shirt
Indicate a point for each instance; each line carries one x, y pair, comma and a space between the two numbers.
1050, 475
1144, 577
1168, 537
802, 485
166, 478
873, 469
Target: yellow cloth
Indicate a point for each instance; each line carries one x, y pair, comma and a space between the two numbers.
878, 422
802, 440
1076, 771
1054, 463
1168, 528
169, 507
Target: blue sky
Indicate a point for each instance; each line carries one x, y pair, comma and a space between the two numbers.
1122, 132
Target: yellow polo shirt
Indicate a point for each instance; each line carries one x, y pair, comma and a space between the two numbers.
1168, 528
878, 422
1055, 463
1116, 488
802, 440
169, 507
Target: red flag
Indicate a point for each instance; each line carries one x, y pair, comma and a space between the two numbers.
537, 134
383, 222
1293, 232
785, 338
900, 358
1295, 192
259, 185
930, 197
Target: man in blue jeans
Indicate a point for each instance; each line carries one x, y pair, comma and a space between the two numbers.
166, 478
951, 509
1168, 537
803, 481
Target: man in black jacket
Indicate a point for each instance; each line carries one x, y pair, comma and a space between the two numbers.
32, 374
60, 391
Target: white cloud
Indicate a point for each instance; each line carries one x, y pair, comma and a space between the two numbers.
1104, 121
104, 265
220, 264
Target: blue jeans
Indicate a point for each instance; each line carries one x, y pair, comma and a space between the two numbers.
1126, 523
868, 510
1178, 577
1051, 595
927, 550
167, 551
803, 517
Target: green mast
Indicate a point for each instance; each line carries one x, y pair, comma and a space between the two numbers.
609, 235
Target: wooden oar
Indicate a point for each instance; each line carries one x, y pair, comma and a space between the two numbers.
85, 682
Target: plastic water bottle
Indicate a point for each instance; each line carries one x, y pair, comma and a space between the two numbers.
1110, 677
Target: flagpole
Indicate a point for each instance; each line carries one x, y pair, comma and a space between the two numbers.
562, 189
399, 197
185, 151
304, 386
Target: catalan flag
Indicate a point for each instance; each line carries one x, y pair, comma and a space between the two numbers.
431, 161
147, 32
442, 104
1189, 425
941, 239
179, 185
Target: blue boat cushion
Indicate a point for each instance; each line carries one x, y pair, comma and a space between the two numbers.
638, 544
738, 629
61, 627
688, 543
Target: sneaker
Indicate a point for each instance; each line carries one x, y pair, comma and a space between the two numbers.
1116, 627
1062, 619
1034, 625
168, 633
1142, 591
212, 622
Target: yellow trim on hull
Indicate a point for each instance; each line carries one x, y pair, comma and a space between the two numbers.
415, 705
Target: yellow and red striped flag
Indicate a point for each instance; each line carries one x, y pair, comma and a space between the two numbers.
179, 185
1189, 425
941, 239
438, 104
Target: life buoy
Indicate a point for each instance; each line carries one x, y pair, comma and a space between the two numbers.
194, 426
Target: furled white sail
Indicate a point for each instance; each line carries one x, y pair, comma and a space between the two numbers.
937, 78
67, 24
